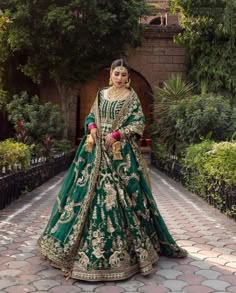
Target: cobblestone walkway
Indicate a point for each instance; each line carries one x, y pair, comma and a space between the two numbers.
208, 235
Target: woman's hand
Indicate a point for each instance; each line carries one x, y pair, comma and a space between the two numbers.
95, 134
109, 140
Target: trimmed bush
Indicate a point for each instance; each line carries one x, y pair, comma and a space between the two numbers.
14, 155
199, 116
210, 172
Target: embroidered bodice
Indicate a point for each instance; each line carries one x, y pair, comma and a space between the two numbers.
108, 109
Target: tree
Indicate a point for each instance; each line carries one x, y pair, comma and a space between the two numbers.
67, 40
209, 37
4, 22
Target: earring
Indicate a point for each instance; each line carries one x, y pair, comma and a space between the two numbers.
110, 82
127, 84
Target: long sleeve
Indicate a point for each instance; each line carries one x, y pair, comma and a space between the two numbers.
89, 119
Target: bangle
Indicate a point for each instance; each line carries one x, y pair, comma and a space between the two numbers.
116, 134
92, 125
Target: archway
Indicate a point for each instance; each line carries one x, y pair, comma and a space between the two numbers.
89, 90
159, 20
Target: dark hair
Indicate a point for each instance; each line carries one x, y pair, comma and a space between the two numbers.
120, 62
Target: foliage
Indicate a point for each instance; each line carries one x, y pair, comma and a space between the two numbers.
199, 116
196, 155
14, 155
4, 24
67, 40
173, 91
221, 165
51, 147
4, 54
34, 122
164, 161
209, 37
181, 118
161, 150
193, 161
63, 146
3, 99
210, 170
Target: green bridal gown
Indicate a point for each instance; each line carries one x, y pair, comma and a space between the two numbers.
105, 224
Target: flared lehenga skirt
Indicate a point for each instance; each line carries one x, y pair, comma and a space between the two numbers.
105, 224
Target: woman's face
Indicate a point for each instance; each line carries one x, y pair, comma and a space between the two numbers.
119, 76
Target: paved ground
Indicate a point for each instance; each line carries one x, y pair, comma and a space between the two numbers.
208, 235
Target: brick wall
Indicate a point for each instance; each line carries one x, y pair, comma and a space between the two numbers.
159, 56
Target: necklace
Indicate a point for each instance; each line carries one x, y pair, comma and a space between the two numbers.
117, 94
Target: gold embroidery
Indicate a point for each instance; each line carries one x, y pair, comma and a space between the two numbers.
110, 228
83, 178
83, 260
68, 213
116, 150
110, 200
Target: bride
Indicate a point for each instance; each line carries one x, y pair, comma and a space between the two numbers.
105, 224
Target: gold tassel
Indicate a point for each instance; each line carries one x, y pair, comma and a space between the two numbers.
89, 143
116, 150
68, 275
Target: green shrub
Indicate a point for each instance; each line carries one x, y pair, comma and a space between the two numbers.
14, 155
196, 156
33, 120
196, 117
221, 164
161, 150
181, 119
213, 160
63, 146
210, 171
174, 90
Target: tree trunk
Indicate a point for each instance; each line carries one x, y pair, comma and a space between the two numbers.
64, 93
69, 99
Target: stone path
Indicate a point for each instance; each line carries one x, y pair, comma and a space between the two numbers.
208, 235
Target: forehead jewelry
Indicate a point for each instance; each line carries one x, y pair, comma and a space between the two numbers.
122, 68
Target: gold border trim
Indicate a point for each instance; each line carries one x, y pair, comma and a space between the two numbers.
106, 275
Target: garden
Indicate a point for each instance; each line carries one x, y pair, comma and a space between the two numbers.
54, 41
194, 116
194, 129
36, 151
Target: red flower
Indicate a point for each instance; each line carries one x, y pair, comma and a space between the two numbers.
47, 140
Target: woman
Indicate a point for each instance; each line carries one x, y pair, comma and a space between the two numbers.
105, 224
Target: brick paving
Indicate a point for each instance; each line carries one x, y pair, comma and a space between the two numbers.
209, 237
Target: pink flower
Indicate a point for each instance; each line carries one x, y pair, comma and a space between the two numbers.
47, 140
